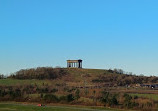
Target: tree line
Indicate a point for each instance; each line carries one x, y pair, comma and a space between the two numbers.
75, 96
39, 73
119, 78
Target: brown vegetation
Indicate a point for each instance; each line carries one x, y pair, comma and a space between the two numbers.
92, 87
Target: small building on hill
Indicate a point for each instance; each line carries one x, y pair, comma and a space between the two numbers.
74, 63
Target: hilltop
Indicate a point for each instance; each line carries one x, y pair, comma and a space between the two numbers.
82, 77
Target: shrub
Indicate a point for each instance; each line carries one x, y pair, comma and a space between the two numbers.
54, 90
105, 97
110, 99
70, 97
127, 101
113, 101
63, 98
51, 98
77, 94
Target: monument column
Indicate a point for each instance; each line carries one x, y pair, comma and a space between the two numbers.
79, 64
76, 64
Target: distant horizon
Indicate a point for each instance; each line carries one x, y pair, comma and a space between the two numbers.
105, 34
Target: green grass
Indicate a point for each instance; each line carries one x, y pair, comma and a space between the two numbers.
20, 107
8, 82
80, 74
150, 96
34, 95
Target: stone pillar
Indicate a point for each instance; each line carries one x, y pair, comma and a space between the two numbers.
79, 64
76, 65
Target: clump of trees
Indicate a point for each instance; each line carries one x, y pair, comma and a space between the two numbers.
136, 102
118, 71
109, 99
11, 94
2, 76
128, 103
48, 94
39, 73
119, 78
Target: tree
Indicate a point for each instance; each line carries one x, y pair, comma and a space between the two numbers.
105, 97
113, 101
94, 92
127, 100
51, 98
1, 76
70, 97
109, 99
77, 94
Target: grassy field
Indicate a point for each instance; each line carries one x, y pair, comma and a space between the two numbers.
21, 107
150, 96
8, 82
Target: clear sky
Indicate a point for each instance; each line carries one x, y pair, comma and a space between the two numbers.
104, 33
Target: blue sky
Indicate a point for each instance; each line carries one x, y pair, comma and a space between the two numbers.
104, 33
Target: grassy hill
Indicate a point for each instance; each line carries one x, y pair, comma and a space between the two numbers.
89, 87
73, 76
76, 77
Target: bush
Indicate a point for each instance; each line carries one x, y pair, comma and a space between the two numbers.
109, 99
127, 100
54, 90
77, 94
70, 98
105, 97
63, 98
113, 101
51, 98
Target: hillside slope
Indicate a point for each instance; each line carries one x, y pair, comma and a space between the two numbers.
76, 77
94, 87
